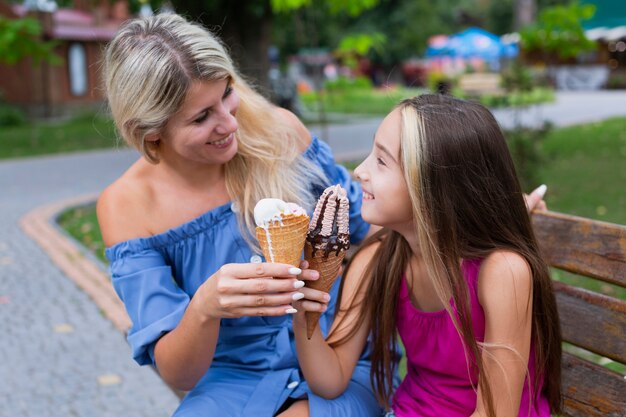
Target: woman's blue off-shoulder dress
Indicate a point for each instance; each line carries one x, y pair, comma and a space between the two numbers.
255, 369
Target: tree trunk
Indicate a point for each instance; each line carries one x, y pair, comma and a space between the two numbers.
245, 28
525, 12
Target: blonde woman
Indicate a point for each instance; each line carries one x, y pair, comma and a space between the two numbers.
178, 226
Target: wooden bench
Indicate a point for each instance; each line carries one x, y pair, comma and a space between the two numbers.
479, 83
589, 320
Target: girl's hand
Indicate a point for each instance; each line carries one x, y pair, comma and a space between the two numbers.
534, 200
253, 289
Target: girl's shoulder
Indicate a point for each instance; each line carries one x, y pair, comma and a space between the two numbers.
122, 206
505, 277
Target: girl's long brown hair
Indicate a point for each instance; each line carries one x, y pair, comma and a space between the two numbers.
467, 203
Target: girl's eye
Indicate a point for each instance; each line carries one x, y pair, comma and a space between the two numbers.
227, 92
380, 162
202, 117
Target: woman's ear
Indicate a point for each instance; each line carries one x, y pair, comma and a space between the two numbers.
152, 137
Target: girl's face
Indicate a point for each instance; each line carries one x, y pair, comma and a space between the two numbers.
203, 130
386, 199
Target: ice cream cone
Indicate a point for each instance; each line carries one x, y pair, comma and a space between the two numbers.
327, 266
283, 243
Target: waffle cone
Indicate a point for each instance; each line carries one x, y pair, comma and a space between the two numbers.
327, 267
286, 239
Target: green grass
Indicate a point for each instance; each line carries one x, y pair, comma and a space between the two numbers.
586, 170
359, 100
82, 224
85, 132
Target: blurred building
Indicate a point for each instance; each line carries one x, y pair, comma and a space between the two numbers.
81, 32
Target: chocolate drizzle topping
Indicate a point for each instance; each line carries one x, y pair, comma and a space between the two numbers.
336, 241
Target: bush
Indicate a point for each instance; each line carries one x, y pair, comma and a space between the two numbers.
526, 146
345, 84
11, 116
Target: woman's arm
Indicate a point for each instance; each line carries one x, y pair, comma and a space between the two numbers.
328, 369
505, 292
184, 354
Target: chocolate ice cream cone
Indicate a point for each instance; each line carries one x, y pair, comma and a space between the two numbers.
327, 266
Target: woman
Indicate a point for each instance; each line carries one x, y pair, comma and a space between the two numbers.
178, 226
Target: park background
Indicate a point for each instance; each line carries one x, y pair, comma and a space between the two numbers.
554, 72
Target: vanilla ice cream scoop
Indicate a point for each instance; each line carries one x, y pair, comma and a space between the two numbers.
281, 230
270, 210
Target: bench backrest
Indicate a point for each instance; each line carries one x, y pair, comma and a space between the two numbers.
589, 320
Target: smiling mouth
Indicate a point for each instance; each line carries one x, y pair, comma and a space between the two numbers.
222, 142
367, 196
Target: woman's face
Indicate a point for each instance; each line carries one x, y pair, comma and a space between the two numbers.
386, 199
203, 130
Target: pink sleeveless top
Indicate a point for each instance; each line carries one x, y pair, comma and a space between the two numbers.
437, 381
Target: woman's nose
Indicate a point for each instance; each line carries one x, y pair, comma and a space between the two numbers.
227, 124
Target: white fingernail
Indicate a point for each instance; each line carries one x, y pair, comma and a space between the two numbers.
297, 296
294, 271
298, 284
291, 311
541, 190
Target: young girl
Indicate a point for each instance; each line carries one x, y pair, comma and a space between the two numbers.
455, 271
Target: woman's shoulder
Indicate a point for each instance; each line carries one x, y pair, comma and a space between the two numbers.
302, 133
122, 206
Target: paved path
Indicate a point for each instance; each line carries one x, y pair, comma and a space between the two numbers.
352, 141
58, 355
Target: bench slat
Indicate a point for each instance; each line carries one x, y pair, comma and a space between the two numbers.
592, 321
590, 390
583, 246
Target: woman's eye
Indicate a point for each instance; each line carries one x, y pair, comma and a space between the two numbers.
227, 92
380, 162
202, 117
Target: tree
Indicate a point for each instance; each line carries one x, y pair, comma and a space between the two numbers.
21, 38
246, 27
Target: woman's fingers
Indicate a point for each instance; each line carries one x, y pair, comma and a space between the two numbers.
260, 270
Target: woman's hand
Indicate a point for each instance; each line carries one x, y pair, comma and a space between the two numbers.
253, 289
312, 300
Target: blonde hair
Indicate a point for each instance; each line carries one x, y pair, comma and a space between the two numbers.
148, 69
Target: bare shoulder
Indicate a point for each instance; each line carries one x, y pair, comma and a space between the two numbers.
121, 208
304, 136
505, 277
355, 276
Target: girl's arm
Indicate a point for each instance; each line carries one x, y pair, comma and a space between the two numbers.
328, 369
505, 292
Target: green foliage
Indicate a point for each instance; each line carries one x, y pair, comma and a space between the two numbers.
82, 224
87, 131
353, 46
559, 32
345, 84
351, 7
19, 38
525, 146
11, 116
517, 77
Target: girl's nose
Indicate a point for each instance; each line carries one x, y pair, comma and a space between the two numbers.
359, 172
